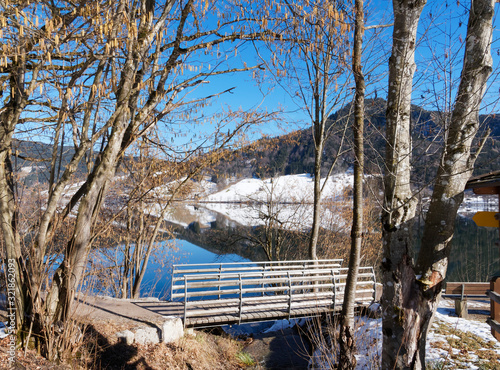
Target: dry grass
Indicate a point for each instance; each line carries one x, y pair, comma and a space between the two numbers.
101, 350
200, 351
206, 351
465, 347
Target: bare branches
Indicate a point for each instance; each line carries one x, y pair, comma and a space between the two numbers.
95, 77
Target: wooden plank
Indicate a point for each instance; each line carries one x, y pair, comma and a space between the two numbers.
253, 282
195, 284
263, 263
495, 325
495, 297
253, 266
270, 277
258, 274
487, 190
494, 306
251, 315
468, 283
213, 311
473, 288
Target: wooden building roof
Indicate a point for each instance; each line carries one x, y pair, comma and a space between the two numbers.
485, 184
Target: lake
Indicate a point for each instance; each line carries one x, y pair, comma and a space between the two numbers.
474, 256
157, 279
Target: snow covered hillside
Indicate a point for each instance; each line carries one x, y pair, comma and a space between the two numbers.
285, 189
248, 201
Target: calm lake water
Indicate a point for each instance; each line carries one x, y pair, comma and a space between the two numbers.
474, 256
157, 279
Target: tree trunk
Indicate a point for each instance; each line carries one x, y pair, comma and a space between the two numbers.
9, 118
8, 211
313, 241
346, 335
68, 275
415, 292
319, 141
399, 204
457, 164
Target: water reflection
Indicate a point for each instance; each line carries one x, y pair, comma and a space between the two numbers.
206, 236
157, 279
474, 256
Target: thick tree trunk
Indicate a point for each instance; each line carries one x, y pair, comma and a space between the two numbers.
457, 164
9, 117
346, 335
416, 291
68, 275
8, 211
399, 204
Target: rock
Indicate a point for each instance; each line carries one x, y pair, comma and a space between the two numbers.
126, 337
172, 329
146, 335
166, 330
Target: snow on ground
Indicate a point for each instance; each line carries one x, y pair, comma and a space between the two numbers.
287, 198
291, 188
291, 216
452, 342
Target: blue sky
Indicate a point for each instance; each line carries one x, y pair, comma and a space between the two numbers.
439, 55
435, 50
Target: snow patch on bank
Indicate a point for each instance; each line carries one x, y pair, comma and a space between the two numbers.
439, 350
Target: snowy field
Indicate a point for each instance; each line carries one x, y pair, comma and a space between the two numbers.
290, 188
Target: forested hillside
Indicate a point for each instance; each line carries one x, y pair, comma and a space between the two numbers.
294, 153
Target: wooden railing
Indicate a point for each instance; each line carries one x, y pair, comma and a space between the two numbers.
253, 293
494, 294
231, 269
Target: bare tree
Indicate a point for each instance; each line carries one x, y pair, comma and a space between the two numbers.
33, 60
280, 220
347, 359
108, 73
156, 182
411, 292
311, 62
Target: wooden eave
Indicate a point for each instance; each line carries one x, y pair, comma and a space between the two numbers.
485, 184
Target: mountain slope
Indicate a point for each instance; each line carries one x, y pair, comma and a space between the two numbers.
294, 153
